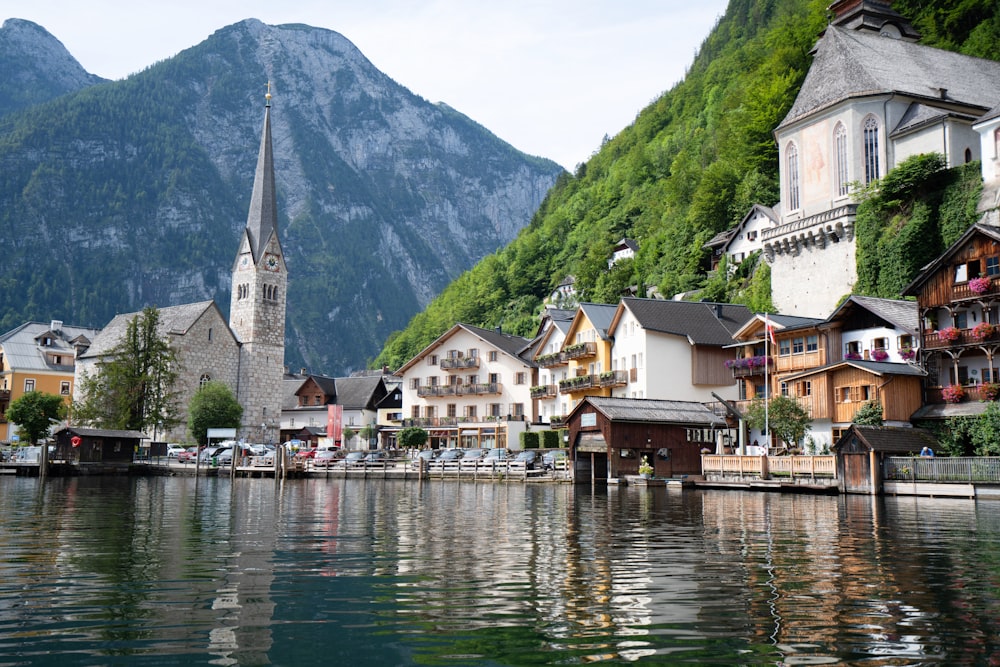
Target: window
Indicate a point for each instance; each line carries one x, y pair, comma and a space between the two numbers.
470, 411
966, 271
473, 353
29, 385
493, 355
784, 389
204, 379
906, 340
210, 334
871, 149
415, 412
880, 344
798, 345
968, 155
520, 378
64, 388
473, 379
962, 320
792, 172
452, 410
494, 378
432, 360
992, 266
812, 343
318, 400
494, 410
414, 383
803, 388
784, 347
518, 410
752, 236
840, 155
433, 380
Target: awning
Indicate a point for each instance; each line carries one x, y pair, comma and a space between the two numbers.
592, 443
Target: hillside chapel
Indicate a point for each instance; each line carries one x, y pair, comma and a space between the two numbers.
872, 98
246, 353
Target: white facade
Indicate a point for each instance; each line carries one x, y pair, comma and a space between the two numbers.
748, 237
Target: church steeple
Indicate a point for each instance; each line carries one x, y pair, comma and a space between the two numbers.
262, 220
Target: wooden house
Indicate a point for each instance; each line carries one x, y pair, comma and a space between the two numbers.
861, 451
958, 297
92, 445
609, 437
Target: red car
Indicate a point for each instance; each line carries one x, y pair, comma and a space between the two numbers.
188, 455
306, 453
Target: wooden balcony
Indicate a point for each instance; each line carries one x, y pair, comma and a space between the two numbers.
437, 391
580, 350
613, 378
578, 383
799, 362
545, 391
550, 360
458, 363
936, 340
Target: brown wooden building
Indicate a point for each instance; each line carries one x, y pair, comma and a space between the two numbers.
862, 450
92, 445
609, 437
958, 296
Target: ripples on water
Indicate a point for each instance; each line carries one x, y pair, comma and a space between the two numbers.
98, 571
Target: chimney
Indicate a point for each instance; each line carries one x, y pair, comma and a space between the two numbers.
302, 371
56, 326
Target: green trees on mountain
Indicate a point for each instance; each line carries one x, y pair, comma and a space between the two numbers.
691, 165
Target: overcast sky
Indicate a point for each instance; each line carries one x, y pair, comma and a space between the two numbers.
550, 77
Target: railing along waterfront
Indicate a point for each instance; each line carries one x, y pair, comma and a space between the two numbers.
959, 469
766, 467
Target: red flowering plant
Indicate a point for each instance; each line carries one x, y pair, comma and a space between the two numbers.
988, 391
983, 330
949, 333
980, 285
953, 393
908, 353
878, 354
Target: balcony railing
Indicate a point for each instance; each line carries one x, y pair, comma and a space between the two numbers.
431, 391
544, 391
578, 383
550, 360
613, 378
748, 366
951, 337
459, 363
580, 350
424, 422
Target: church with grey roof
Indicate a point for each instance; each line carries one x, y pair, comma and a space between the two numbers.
245, 351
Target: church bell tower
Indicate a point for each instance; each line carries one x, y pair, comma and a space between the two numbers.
257, 307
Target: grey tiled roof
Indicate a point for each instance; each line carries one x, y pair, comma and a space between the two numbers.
703, 323
102, 433
360, 393
901, 314
876, 367
918, 115
653, 410
851, 63
509, 343
175, 320
262, 218
600, 315
23, 351
890, 439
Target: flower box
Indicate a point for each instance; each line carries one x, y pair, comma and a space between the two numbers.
983, 330
949, 334
908, 354
953, 393
980, 285
988, 391
879, 354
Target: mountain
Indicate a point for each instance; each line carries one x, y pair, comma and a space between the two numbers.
691, 165
133, 192
36, 67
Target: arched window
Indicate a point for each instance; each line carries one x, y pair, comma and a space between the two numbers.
792, 172
203, 380
968, 155
871, 149
840, 153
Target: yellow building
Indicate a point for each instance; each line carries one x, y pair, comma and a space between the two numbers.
38, 357
587, 353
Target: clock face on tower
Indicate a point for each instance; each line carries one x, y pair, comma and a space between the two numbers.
271, 263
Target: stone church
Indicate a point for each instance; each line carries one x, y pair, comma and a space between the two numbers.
246, 352
873, 97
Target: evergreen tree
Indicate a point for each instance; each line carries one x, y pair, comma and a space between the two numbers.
134, 388
34, 412
869, 414
214, 406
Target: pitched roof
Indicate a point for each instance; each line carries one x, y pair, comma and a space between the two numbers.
901, 314
508, 343
176, 320
702, 323
889, 439
600, 316
102, 433
23, 352
851, 63
652, 410
880, 368
945, 258
359, 393
262, 218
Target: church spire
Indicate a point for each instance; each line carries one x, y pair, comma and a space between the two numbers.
262, 220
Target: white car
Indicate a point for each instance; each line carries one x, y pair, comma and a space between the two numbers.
173, 451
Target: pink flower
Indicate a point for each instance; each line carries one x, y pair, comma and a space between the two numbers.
980, 285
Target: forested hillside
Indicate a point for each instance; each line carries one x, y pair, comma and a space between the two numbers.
691, 165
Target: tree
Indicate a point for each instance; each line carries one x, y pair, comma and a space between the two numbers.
34, 413
787, 419
869, 414
134, 385
984, 431
213, 406
346, 436
412, 436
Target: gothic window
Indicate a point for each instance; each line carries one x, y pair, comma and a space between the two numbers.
840, 151
871, 149
968, 155
792, 169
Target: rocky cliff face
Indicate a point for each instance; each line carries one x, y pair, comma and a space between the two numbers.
36, 67
142, 186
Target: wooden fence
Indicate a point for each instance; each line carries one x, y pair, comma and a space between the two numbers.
962, 469
766, 467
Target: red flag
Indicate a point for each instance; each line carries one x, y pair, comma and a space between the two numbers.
770, 330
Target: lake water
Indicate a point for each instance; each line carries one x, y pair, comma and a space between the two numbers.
178, 571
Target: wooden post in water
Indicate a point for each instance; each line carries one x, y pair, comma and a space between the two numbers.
43, 461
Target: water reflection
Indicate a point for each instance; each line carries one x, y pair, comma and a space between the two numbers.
179, 571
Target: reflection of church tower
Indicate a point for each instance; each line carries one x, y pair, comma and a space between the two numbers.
257, 309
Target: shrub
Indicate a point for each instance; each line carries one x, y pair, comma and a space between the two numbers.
529, 439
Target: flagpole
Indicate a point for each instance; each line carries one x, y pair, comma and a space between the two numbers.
767, 384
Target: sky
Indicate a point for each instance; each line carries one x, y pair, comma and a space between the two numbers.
550, 77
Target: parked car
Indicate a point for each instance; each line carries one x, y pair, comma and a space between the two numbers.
355, 458
225, 456
208, 453
376, 456
327, 457
557, 459
305, 453
474, 454
498, 455
173, 451
450, 455
188, 455
528, 457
